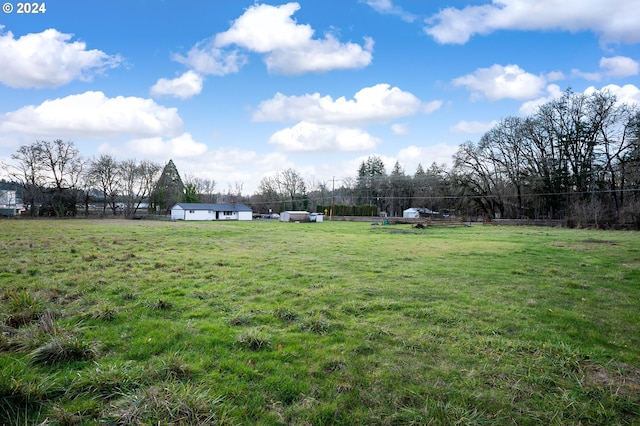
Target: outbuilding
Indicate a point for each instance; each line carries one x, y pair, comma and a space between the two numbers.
416, 212
412, 213
202, 211
294, 216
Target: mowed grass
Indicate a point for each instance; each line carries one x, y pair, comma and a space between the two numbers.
145, 323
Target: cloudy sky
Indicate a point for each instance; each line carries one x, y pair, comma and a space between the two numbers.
236, 90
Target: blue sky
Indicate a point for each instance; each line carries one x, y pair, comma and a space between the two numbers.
237, 90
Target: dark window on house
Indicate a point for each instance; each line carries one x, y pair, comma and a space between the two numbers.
227, 213
192, 211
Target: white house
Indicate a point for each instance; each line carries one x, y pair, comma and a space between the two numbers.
10, 204
201, 211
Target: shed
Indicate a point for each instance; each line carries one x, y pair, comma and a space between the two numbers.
294, 216
411, 213
203, 211
416, 212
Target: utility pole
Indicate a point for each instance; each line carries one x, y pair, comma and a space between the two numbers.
333, 190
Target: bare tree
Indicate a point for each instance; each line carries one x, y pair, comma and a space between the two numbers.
203, 187
105, 172
138, 180
27, 171
234, 192
62, 166
292, 186
267, 198
479, 180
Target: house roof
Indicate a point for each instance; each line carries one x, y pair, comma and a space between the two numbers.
227, 207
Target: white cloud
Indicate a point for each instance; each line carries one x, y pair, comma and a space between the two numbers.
182, 146
400, 129
289, 47
48, 59
554, 76
589, 76
613, 67
386, 7
440, 153
619, 66
431, 107
320, 56
376, 104
325, 123
264, 28
207, 59
610, 19
183, 87
499, 82
628, 94
472, 126
92, 114
531, 107
306, 136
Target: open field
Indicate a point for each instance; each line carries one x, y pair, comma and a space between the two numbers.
135, 322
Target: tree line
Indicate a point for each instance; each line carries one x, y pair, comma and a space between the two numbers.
577, 158
56, 181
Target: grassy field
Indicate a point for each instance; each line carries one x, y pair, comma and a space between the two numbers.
147, 323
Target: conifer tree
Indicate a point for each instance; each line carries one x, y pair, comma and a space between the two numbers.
169, 189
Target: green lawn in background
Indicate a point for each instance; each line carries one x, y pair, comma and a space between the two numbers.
144, 322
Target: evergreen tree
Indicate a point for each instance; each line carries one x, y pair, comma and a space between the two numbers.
191, 194
371, 180
169, 189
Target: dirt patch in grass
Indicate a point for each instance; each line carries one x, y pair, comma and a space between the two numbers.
631, 265
596, 241
624, 381
586, 244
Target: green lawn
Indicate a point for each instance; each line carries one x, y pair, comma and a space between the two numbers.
147, 323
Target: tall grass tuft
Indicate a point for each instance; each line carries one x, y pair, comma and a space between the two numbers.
318, 324
64, 348
172, 403
174, 366
254, 340
22, 308
161, 305
285, 314
61, 345
108, 381
104, 312
61, 417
